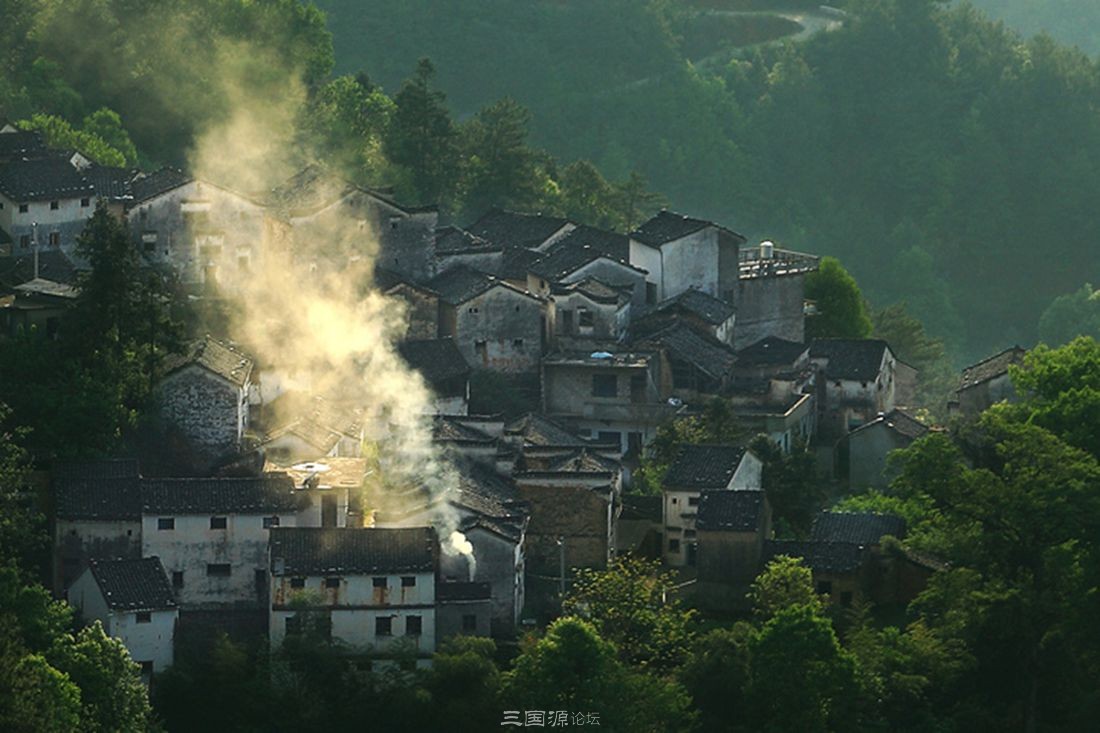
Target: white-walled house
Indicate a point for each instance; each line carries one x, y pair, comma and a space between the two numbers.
212, 534
45, 197
134, 602
699, 468
368, 588
680, 253
855, 382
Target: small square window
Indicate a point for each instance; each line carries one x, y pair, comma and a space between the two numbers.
674, 545
218, 522
605, 385
218, 570
408, 581
412, 626
144, 617
379, 582
55, 205
469, 622
517, 343
149, 247
270, 522
85, 203
383, 626
177, 579
693, 501
166, 523
22, 208
298, 583
332, 582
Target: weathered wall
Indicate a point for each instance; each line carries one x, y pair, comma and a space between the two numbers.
729, 557
868, 449
78, 541
510, 325
422, 311
612, 273
691, 262
578, 514
210, 412
770, 306
449, 621
67, 221
605, 317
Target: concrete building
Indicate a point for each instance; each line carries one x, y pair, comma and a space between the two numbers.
869, 447
695, 469
133, 601
987, 383
495, 325
203, 396
44, 198
771, 294
444, 370
679, 253
366, 589
211, 534
773, 391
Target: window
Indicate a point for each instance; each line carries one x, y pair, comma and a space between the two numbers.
149, 247
383, 626
166, 523
218, 522
55, 205
144, 617
55, 239
518, 343
270, 522
604, 385
650, 293
693, 501
675, 501
332, 582
674, 545
412, 626
608, 437
177, 579
472, 310
298, 583
585, 319
85, 203
408, 581
22, 208
824, 587
469, 622
217, 570
637, 387
689, 534
379, 582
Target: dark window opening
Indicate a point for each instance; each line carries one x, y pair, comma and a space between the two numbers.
637, 388
650, 293
218, 522
408, 581
517, 343
166, 523
25, 241
146, 668
144, 617
585, 318
674, 545
218, 570
270, 522
149, 247
693, 501
55, 239
22, 208
297, 582
469, 622
177, 579
85, 203
379, 582
383, 626
604, 385
328, 511
55, 205
608, 437
332, 582
412, 626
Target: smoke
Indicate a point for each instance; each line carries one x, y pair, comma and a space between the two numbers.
306, 306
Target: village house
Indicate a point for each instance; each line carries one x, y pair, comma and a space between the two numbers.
457, 439
36, 306
700, 310
462, 609
421, 304
211, 534
133, 601
855, 382
45, 201
695, 469
455, 247
332, 486
589, 311
370, 590
731, 528
307, 427
679, 253
771, 294
612, 398
986, 383
203, 396
638, 529
879, 576
839, 569
16, 144
699, 366
569, 263
495, 325
869, 447
773, 391
539, 439
444, 370
511, 230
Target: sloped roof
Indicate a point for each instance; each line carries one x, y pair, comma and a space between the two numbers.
858, 359
446, 429
111, 182
219, 357
153, 184
510, 228
539, 430
133, 585
991, 367
249, 495
41, 179
702, 351
584, 461
731, 511
562, 261
860, 528
97, 496
460, 284
348, 551
104, 469
703, 305
517, 262
771, 351
703, 466
667, 227
452, 240
898, 421
52, 265
309, 189
595, 289
821, 557
437, 360
23, 143
611, 244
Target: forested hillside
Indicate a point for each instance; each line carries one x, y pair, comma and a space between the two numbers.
1069, 21
947, 161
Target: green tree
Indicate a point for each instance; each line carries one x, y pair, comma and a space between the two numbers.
633, 605
501, 169
464, 684
344, 123
22, 527
716, 674
106, 125
42, 699
790, 479
715, 425
60, 134
783, 583
422, 138
910, 343
1070, 316
841, 310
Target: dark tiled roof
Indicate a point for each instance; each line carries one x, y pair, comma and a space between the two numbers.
133, 585
771, 351
109, 182
309, 189
452, 240
696, 302
536, 429
40, 179
899, 422
508, 528
24, 143
821, 557
991, 367
105, 469
486, 491
731, 511
454, 592
562, 261
461, 283
517, 262
94, 496
511, 229
611, 244
346, 551
437, 360
859, 528
703, 466
154, 184
584, 461
858, 359
702, 351
223, 359
52, 265
667, 227
447, 429
595, 289
386, 280
252, 495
